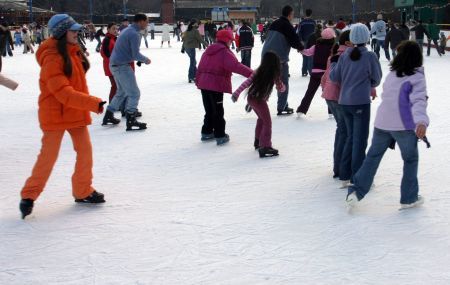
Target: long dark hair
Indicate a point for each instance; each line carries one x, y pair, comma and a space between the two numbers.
265, 77
409, 58
62, 50
345, 37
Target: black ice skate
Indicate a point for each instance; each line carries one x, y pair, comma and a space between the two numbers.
256, 144
267, 152
138, 114
133, 124
94, 198
109, 119
286, 112
26, 207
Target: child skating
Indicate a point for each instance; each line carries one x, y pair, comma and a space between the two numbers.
213, 78
260, 86
64, 105
401, 119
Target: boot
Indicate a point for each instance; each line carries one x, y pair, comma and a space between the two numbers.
133, 124
268, 152
286, 112
223, 140
26, 207
256, 144
207, 137
138, 114
109, 119
94, 198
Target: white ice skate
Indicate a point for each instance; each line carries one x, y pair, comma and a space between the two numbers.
418, 203
301, 116
352, 200
346, 184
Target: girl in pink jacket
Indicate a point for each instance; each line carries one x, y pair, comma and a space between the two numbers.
213, 78
260, 86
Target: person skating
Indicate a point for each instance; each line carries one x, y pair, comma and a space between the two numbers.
213, 78
192, 41
401, 119
280, 39
443, 42
420, 32
433, 31
165, 35
393, 39
63, 87
305, 30
245, 41
98, 38
357, 71
379, 29
319, 53
260, 85
27, 41
125, 53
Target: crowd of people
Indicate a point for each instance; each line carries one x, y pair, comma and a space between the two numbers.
335, 56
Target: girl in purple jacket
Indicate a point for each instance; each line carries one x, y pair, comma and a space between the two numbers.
213, 78
260, 86
402, 118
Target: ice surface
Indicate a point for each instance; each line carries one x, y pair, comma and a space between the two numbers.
180, 211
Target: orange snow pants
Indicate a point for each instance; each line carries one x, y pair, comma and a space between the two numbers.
51, 143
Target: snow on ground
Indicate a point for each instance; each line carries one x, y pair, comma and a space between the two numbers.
180, 211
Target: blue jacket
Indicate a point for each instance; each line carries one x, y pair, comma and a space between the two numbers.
306, 28
127, 46
281, 38
379, 29
356, 78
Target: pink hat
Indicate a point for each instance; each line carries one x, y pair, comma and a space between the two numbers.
224, 36
328, 34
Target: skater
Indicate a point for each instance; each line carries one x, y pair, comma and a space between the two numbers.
64, 105
420, 32
280, 39
18, 38
260, 85
98, 38
213, 78
124, 25
165, 35
125, 53
433, 31
357, 71
379, 29
106, 50
443, 42
144, 35
6, 40
401, 119
27, 42
191, 41
393, 39
305, 29
319, 53
151, 26
245, 41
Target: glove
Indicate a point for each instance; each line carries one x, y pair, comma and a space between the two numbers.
139, 63
100, 107
234, 99
334, 59
183, 50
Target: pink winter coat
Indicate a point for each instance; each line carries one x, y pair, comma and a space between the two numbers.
331, 90
217, 65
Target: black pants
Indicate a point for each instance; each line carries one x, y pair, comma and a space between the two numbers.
246, 56
314, 83
435, 44
214, 122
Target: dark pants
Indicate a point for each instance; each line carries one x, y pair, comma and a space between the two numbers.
283, 96
357, 121
307, 65
214, 122
340, 136
435, 44
314, 83
113, 90
263, 131
99, 44
407, 142
380, 44
193, 63
246, 56
152, 35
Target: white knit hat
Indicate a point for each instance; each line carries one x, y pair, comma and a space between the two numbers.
359, 34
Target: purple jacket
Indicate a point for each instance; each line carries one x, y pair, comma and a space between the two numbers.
217, 65
404, 102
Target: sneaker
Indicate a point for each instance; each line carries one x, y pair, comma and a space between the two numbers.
352, 200
419, 202
207, 137
223, 140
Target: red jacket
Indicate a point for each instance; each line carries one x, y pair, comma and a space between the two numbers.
107, 47
217, 65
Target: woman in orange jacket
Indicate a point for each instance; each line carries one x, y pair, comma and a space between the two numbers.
64, 105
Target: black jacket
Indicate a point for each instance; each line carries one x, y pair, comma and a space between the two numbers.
394, 38
420, 32
246, 38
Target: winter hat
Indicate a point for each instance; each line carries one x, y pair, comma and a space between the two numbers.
359, 34
224, 36
61, 23
328, 34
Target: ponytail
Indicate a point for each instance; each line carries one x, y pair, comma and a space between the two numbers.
355, 55
335, 49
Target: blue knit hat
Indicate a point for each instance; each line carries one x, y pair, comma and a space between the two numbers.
359, 34
60, 24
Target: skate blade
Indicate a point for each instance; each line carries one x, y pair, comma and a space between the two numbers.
269, 156
136, 130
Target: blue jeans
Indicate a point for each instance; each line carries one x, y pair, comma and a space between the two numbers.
340, 137
127, 89
246, 56
283, 96
307, 65
407, 142
380, 44
357, 122
193, 63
